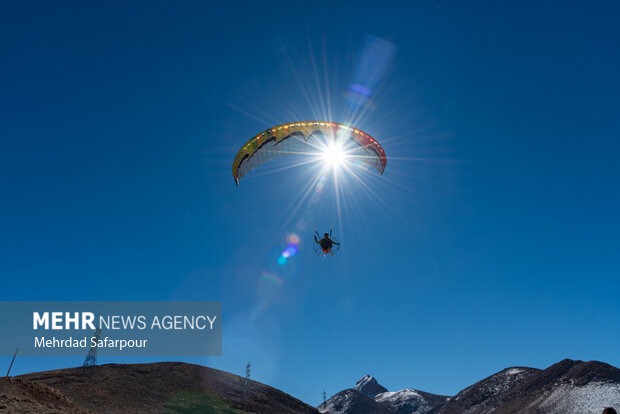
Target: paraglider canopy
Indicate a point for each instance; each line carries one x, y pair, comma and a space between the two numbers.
307, 138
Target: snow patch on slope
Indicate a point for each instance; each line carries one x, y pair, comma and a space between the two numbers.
407, 393
408, 401
363, 381
335, 405
587, 399
369, 386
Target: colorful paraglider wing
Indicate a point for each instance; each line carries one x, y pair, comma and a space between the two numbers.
302, 138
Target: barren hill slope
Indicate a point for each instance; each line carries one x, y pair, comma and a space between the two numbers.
568, 387
167, 387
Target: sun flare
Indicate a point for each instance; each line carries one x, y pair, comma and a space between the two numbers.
333, 155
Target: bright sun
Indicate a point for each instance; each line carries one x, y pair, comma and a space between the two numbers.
333, 155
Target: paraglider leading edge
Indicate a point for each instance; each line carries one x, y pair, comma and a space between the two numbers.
302, 132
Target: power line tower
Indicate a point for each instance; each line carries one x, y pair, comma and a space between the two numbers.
247, 372
91, 357
11, 366
324, 397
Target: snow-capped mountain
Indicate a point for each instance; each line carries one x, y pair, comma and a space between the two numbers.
370, 397
409, 401
369, 386
568, 387
351, 401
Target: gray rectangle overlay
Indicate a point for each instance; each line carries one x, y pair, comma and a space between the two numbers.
128, 328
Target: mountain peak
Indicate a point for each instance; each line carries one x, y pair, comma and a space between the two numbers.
369, 386
350, 401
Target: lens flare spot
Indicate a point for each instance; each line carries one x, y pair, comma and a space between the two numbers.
281, 260
292, 238
275, 279
292, 249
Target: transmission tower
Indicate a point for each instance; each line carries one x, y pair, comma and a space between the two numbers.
247, 372
91, 357
324, 397
11, 366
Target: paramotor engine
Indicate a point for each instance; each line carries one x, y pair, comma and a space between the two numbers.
326, 246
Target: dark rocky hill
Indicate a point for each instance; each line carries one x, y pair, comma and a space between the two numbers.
168, 387
568, 387
491, 392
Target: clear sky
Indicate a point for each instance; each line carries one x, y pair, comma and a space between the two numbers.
490, 241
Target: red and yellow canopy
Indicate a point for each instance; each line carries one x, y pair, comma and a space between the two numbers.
302, 138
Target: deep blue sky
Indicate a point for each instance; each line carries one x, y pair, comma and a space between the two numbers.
490, 241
